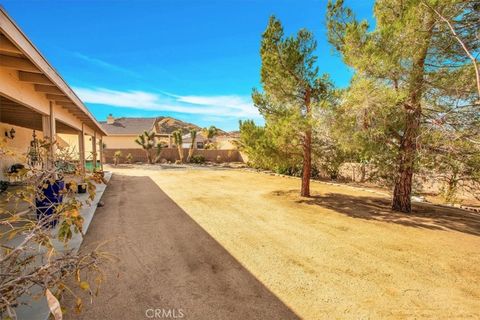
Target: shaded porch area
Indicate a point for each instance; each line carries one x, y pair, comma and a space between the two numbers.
20, 125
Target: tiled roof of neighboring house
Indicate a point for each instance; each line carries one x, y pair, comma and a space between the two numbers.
131, 126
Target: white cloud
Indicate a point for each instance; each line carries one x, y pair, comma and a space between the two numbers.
103, 64
219, 106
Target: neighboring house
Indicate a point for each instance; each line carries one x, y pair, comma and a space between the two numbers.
200, 141
220, 142
123, 131
34, 98
227, 141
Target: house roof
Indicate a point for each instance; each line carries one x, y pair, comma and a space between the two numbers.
128, 126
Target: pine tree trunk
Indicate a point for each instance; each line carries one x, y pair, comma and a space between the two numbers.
406, 158
307, 151
413, 112
307, 164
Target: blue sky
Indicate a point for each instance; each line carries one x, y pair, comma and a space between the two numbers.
193, 60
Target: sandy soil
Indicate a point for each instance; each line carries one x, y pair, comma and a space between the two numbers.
168, 267
339, 254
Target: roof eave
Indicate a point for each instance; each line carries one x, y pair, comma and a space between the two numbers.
13, 32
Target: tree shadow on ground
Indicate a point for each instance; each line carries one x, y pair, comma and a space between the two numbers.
423, 215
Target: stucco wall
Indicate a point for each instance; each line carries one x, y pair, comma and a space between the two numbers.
72, 140
121, 142
19, 145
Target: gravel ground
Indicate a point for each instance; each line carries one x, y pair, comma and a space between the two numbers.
339, 254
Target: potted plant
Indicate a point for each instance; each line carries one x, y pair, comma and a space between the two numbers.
99, 172
50, 195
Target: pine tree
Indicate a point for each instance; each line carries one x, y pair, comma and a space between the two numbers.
292, 88
423, 72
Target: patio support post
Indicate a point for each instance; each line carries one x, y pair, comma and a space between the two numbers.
94, 150
81, 150
101, 152
49, 133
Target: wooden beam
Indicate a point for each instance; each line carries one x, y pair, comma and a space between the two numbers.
66, 104
18, 64
31, 77
8, 27
7, 46
48, 89
58, 97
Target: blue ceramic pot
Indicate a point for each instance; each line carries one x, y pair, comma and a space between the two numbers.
52, 197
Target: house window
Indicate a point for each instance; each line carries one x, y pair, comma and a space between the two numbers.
199, 145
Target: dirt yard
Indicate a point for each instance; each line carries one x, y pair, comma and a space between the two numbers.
339, 254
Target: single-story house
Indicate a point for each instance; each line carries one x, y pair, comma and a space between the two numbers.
36, 101
123, 131
200, 141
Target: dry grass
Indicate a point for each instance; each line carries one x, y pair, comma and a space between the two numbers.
341, 253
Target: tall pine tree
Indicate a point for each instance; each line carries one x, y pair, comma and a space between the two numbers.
292, 87
411, 54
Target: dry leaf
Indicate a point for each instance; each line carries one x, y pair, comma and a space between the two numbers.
84, 285
54, 305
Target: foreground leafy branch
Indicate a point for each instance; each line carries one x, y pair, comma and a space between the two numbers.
35, 231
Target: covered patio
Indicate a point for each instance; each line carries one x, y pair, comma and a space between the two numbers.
33, 96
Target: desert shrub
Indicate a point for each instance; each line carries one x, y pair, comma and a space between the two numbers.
199, 159
129, 158
296, 171
116, 157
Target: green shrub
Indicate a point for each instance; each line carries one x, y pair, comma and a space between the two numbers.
197, 159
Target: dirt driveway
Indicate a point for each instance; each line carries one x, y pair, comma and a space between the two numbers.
257, 250
168, 267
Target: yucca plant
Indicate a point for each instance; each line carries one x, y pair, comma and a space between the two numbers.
159, 152
129, 158
147, 141
193, 136
177, 136
116, 157
209, 134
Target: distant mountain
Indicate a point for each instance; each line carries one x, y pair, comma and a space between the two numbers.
169, 125
134, 126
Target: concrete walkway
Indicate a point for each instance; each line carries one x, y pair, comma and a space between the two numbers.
168, 262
